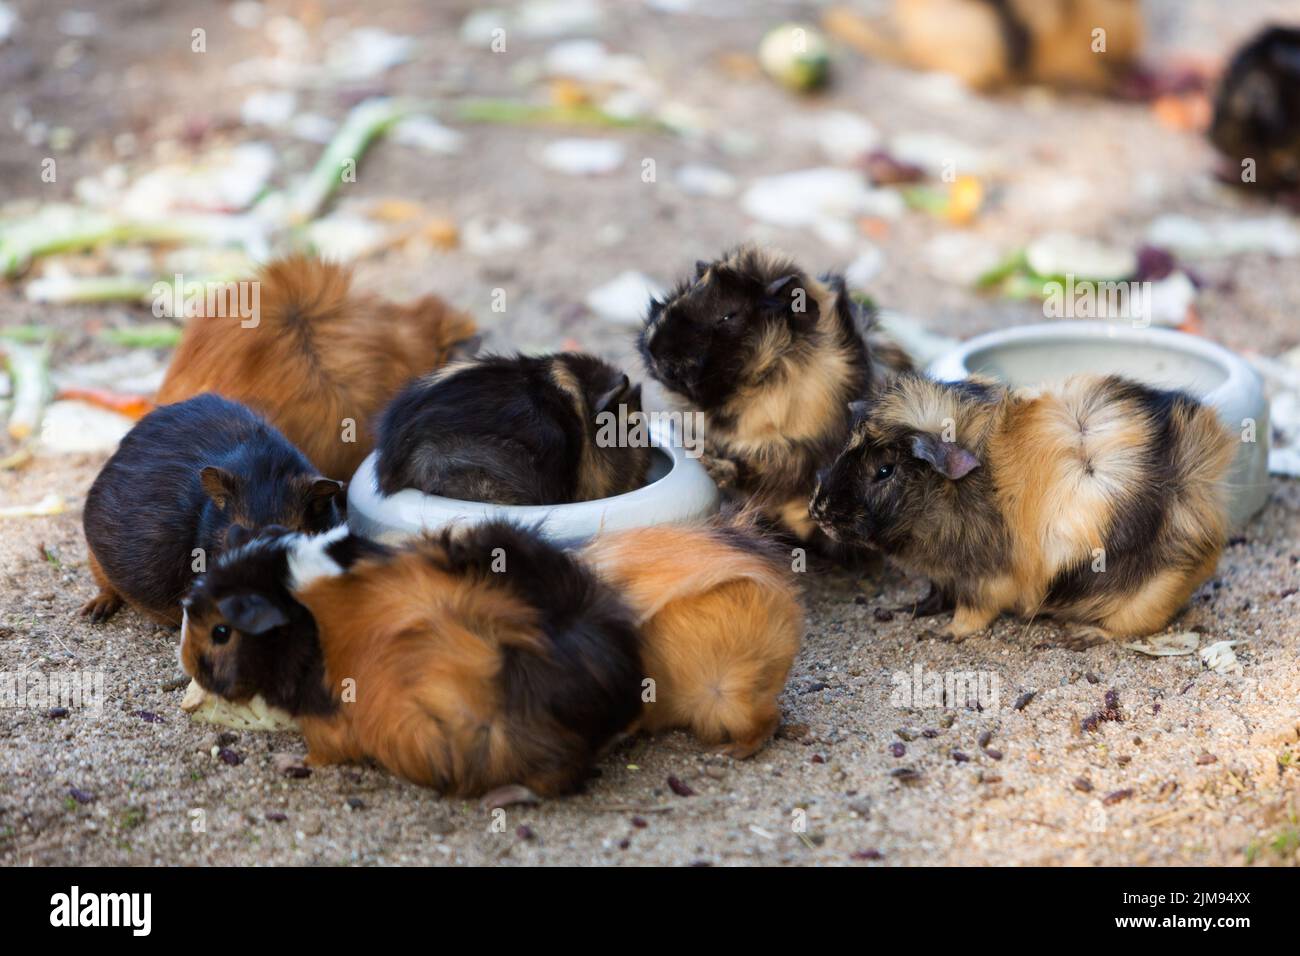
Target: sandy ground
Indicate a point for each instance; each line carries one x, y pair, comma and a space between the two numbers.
1200, 769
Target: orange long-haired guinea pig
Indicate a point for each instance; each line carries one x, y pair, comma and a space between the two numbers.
318, 360
989, 43
1098, 501
720, 626
470, 661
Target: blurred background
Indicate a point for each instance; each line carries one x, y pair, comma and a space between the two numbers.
575, 152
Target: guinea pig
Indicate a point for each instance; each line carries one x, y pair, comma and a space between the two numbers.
162, 506
720, 625
473, 660
1098, 501
993, 43
1257, 110
517, 430
317, 359
771, 358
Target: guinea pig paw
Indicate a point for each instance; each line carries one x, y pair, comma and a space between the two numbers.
513, 794
101, 607
723, 471
1080, 637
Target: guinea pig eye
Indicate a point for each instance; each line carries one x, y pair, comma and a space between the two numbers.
883, 472
221, 634
723, 320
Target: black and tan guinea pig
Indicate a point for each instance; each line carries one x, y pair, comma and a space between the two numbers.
477, 659
772, 358
1257, 110
1097, 501
161, 508
515, 430
318, 359
994, 43
720, 623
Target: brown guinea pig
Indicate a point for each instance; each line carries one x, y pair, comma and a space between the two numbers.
720, 625
317, 359
1097, 501
992, 43
771, 357
515, 430
161, 507
477, 659
1257, 110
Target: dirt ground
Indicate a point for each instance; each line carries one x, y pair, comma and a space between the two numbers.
1199, 770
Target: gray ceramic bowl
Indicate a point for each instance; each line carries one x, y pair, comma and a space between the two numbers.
678, 491
1033, 354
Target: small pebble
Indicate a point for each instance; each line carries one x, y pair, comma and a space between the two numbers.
905, 774
1206, 757
81, 796
897, 749
57, 713
1115, 796
1023, 700
356, 803
993, 754
883, 615
275, 816
1083, 784
906, 733
930, 732
871, 854
229, 757
958, 756
524, 832
984, 738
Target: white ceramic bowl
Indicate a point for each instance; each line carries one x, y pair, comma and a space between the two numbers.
678, 491
1033, 354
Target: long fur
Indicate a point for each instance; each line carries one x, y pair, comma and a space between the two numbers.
512, 430
1098, 501
479, 658
993, 43
180, 478
1257, 110
774, 378
320, 356
720, 624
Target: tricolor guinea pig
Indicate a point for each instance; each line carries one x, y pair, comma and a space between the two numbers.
516, 430
317, 358
720, 623
1098, 501
161, 507
473, 660
771, 357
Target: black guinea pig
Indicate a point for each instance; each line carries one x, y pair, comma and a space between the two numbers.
1257, 110
517, 430
159, 510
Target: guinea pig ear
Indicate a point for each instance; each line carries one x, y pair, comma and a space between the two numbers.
221, 485
794, 300
947, 457
859, 410
237, 535
619, 392
251, 613
320, 493
465, 348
